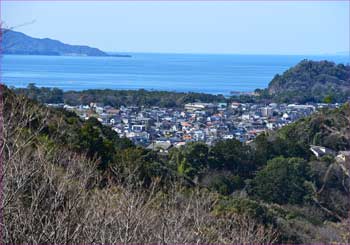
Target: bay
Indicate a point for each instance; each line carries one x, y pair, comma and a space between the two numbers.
215, 74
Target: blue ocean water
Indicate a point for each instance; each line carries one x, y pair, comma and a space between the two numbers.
215, 74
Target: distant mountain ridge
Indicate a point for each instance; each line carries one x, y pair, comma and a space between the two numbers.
14, 42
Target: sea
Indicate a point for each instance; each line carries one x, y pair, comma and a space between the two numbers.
207, 73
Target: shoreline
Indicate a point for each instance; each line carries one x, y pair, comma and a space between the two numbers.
226, 94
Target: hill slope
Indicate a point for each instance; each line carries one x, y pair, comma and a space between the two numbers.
74, 179
311, 81
14, 42
330, 128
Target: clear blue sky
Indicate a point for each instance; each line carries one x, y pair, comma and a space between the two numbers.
189, 27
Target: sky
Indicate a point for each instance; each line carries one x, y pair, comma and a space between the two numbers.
236, 27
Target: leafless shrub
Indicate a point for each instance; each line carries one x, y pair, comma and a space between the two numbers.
124, 216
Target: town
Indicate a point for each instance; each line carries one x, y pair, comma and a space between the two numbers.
163, 128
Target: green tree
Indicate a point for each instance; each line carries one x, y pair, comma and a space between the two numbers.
225, 184
191, 159
91, 141
281, 181
328, 99
234, 156
140, 165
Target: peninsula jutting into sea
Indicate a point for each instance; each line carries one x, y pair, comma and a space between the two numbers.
14, 42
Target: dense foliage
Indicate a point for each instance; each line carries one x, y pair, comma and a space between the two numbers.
116, 98
310, 81
282, 181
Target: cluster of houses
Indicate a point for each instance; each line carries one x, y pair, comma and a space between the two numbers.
163, 128
342, 157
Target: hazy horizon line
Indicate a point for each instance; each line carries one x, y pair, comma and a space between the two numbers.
343, 53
